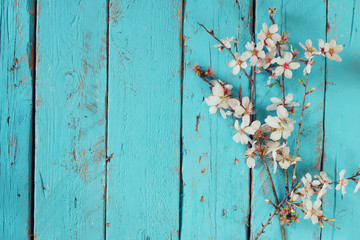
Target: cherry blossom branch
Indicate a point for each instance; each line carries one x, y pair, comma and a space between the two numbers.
349, 178
275, 195
284, 103
300, 125
277, 208
232, 54
205, 80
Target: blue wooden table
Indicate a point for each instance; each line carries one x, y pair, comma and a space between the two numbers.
104, 133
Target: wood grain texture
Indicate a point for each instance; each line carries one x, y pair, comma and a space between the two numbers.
70, 119
144, 119
215, 176
289, 16
113, 79
16, 85
341, 118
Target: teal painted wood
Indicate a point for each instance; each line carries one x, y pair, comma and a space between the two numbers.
16, 84
215, 176
70, 119
144, 120
341, 118
288, 17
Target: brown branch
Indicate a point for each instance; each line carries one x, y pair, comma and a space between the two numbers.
272, 215
275, 195
299, 134
212, 34
205, 80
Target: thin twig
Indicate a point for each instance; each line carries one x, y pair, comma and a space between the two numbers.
247, 75
299, 134
275, 195
272, 215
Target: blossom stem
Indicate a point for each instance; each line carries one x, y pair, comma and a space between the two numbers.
205, 80
283, 98
349, 178
277, 208
212, 34
275, 195
299, 134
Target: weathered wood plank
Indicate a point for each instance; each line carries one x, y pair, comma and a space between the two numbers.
215, 176
16, 85
293, 18
70, 119
144, 119
341, 118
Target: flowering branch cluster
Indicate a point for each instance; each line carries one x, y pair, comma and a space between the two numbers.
266, 142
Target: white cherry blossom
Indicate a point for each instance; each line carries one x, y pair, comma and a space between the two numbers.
332, 50
312, 211
255, 52
267, 60
343, 182
357, 186
269, 35
238, 63
277, 102
324, 179
226, 41
250, 156
282, 125
310, 51
219, 98
307, 190
236, 107
307, 68
285, 159
286, 65
244, 129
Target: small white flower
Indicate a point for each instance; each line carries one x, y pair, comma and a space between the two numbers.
310, 51
236, 107
285, 159
321, 193
277, 102
269, 35
241, 109
244, 129
255, 52
294, 197
267, 60
342, 182
286, 65
307, 191
219, 98
226, 41
357, 186
238, 63
332, 50
282, 125
307, 68
324, 179
250, 156
272, 148
313, 211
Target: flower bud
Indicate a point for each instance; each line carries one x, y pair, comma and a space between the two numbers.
311, 90
302, 83
211, 32
307, 105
